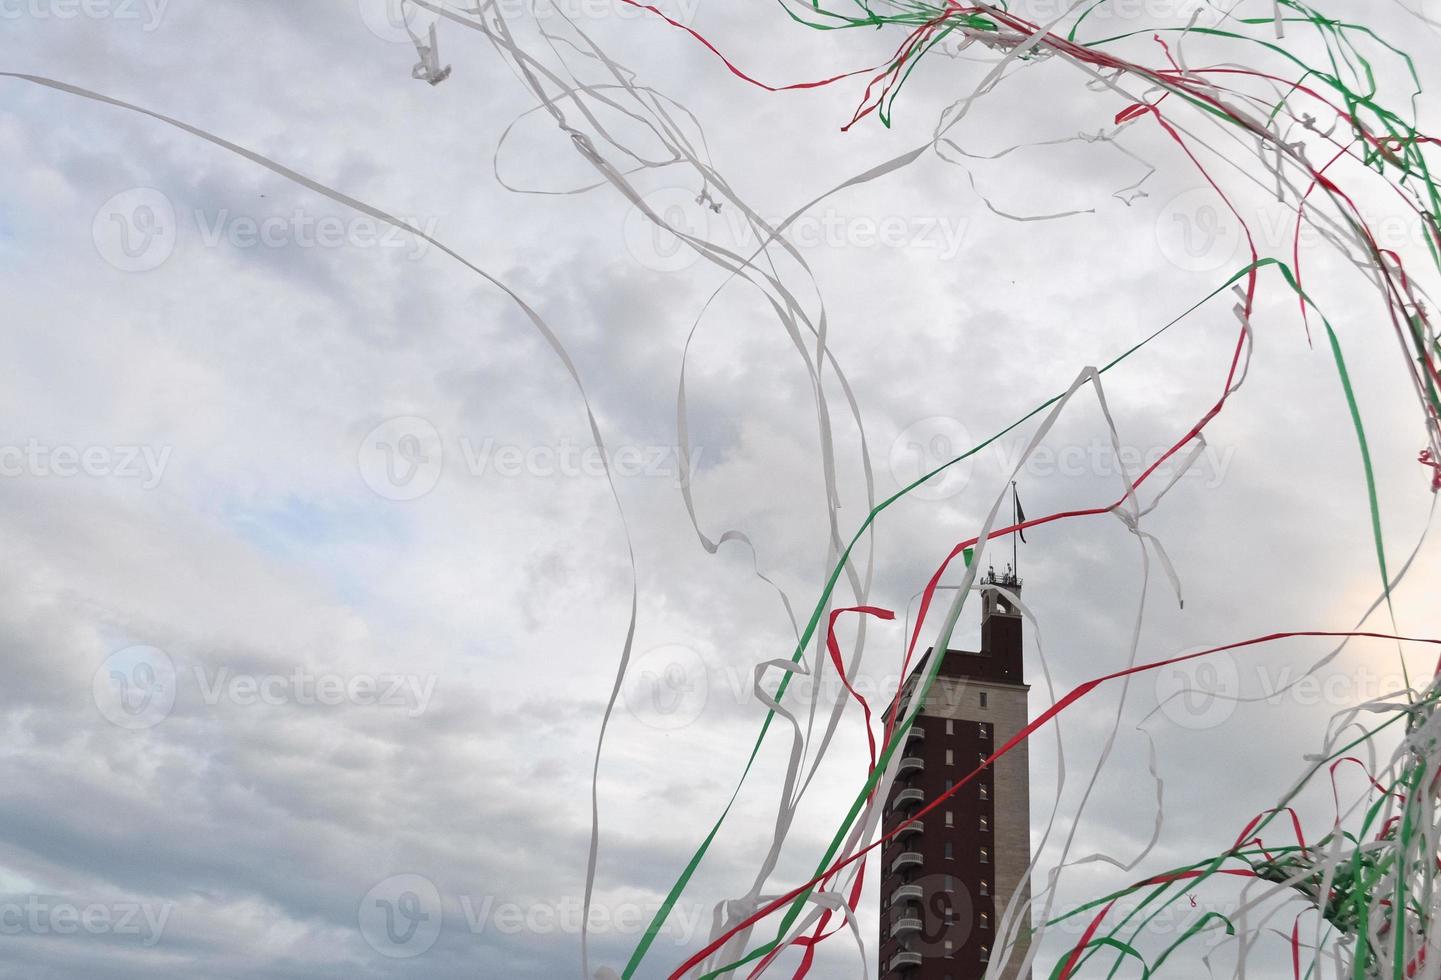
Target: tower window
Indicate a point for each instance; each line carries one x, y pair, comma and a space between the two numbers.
985, 791
950, 757
985, 954
950, 727
950, 818
985, 855
949, 852
985, 822
983, 699
985, 920
985, 730
985, 887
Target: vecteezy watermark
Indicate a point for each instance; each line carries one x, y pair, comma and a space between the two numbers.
403, 458
1180, 915
409, 692
658, 247
934, 915
1197, 231
39, 915
1044, 12
396, 20
403, 916
35, 459
147, 13
136, 688
1201, 693
300, 229
137, 230
924, 447
667, 688
566, 914
1100, 458
1204, 693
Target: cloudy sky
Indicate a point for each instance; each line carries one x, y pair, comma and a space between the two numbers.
317, 588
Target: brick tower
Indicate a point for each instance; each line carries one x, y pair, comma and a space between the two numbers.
947, 878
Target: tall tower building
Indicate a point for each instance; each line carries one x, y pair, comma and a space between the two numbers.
947, 877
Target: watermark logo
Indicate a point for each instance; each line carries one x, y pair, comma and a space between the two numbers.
147, 13
667, 688
1205, 692
657, 247
402, 458
306, 688
1201, 693
391, 20
301, 229
1197, 232
138, 230
135, 231
394, 20
38, 915
926, 445
939, 922
401, 917
1108, 12
711, 221
135, 687
37, 460
933, 442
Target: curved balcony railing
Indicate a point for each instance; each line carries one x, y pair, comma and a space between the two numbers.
907, 797
902, 927
905, 960
909, 859
907, 893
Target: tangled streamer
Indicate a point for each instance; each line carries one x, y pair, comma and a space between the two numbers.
1353, 897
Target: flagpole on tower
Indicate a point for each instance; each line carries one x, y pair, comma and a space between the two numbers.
1015, 520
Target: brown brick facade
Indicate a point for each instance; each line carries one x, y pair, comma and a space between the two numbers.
946, 880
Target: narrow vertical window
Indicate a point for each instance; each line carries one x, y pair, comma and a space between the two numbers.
983, 699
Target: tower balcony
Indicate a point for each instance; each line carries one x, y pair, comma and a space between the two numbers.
911, 829
916, 734
910, 764
905, 926
908, 859
907, 893
905, 960
907, 797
